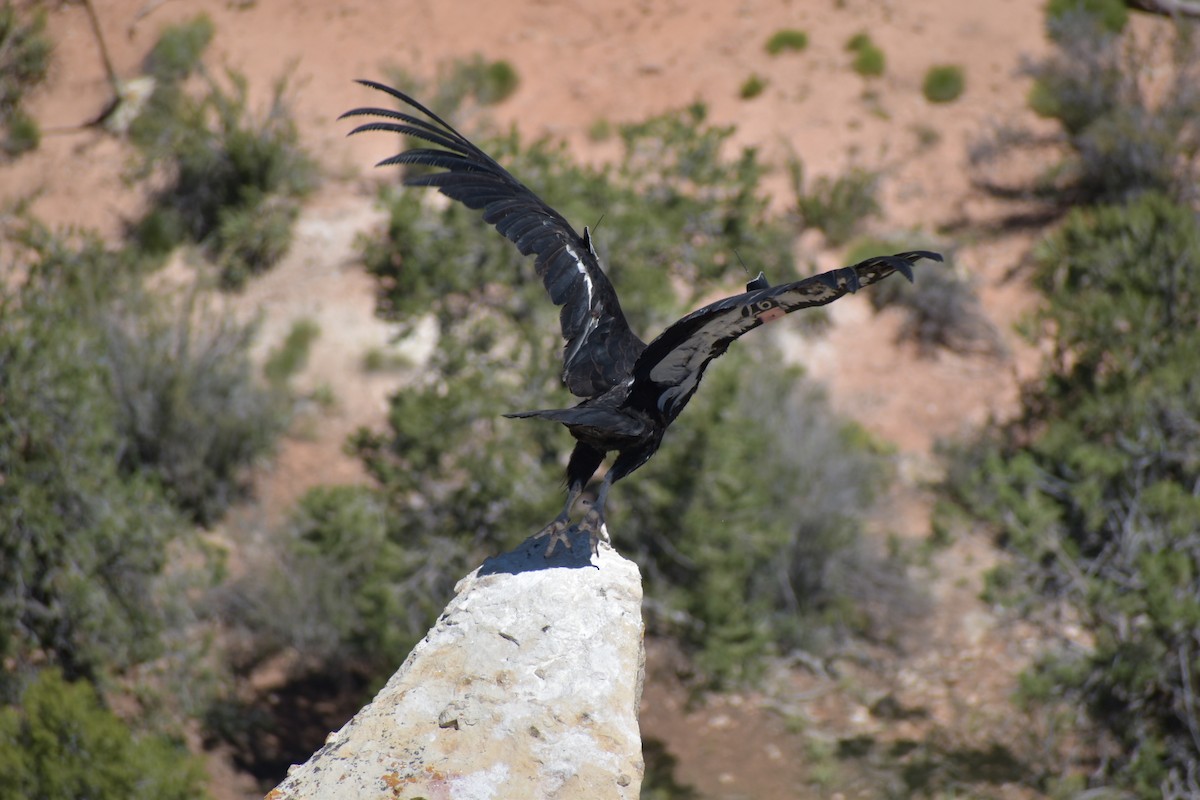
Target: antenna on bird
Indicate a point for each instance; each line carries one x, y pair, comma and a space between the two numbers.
587, 234
760, 282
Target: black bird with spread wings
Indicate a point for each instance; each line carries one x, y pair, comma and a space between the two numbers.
632, 390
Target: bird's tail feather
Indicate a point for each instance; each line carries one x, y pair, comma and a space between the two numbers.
545, 413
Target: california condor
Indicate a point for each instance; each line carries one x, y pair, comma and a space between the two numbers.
631, 390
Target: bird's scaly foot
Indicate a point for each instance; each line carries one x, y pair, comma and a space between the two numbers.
593, 523
557, 532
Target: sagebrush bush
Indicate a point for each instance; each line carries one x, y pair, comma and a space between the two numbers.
292, 353
340, 586
192, 413
747, 523
1128, 129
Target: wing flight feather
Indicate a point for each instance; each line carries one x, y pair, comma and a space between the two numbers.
600, 348
670, 368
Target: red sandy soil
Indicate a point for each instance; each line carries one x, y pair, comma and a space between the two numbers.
623, 61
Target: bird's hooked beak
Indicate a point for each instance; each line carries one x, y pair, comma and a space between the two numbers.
760, 282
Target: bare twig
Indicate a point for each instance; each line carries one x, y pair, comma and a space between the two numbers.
1169, 8
108, 65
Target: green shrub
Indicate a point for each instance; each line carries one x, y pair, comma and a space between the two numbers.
1110, 15
1093, 487
292, 354
342, 587
752, 87
252, 237
83, 540
869, 60
23, 134
600, 130
836, 206
858, 41
487, 82
943, 84
233, 182
24, 60
787, 40
179, 49
1083, 79
497, 81
460, 82
60, 743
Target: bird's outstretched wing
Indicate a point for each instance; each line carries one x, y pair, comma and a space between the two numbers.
669, 369
600, 348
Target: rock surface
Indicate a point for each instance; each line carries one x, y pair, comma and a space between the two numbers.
526, 687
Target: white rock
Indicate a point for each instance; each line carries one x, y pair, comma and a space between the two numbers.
526, 687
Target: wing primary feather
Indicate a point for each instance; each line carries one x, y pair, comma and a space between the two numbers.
669, 370
565, 261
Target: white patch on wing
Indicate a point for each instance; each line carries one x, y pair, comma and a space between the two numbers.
680, 370
593, 318
587, 279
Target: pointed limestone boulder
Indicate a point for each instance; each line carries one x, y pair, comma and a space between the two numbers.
526, 687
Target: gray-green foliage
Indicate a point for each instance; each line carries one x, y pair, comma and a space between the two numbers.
748, 519
82, 540
234, 179
726, 502
192, 413
24, 60
1110, 15
119, 413
179, 50
356, 594
1128, 132
58, 742
1094, 487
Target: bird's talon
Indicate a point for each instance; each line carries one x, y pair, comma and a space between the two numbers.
557, 532
593, 523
